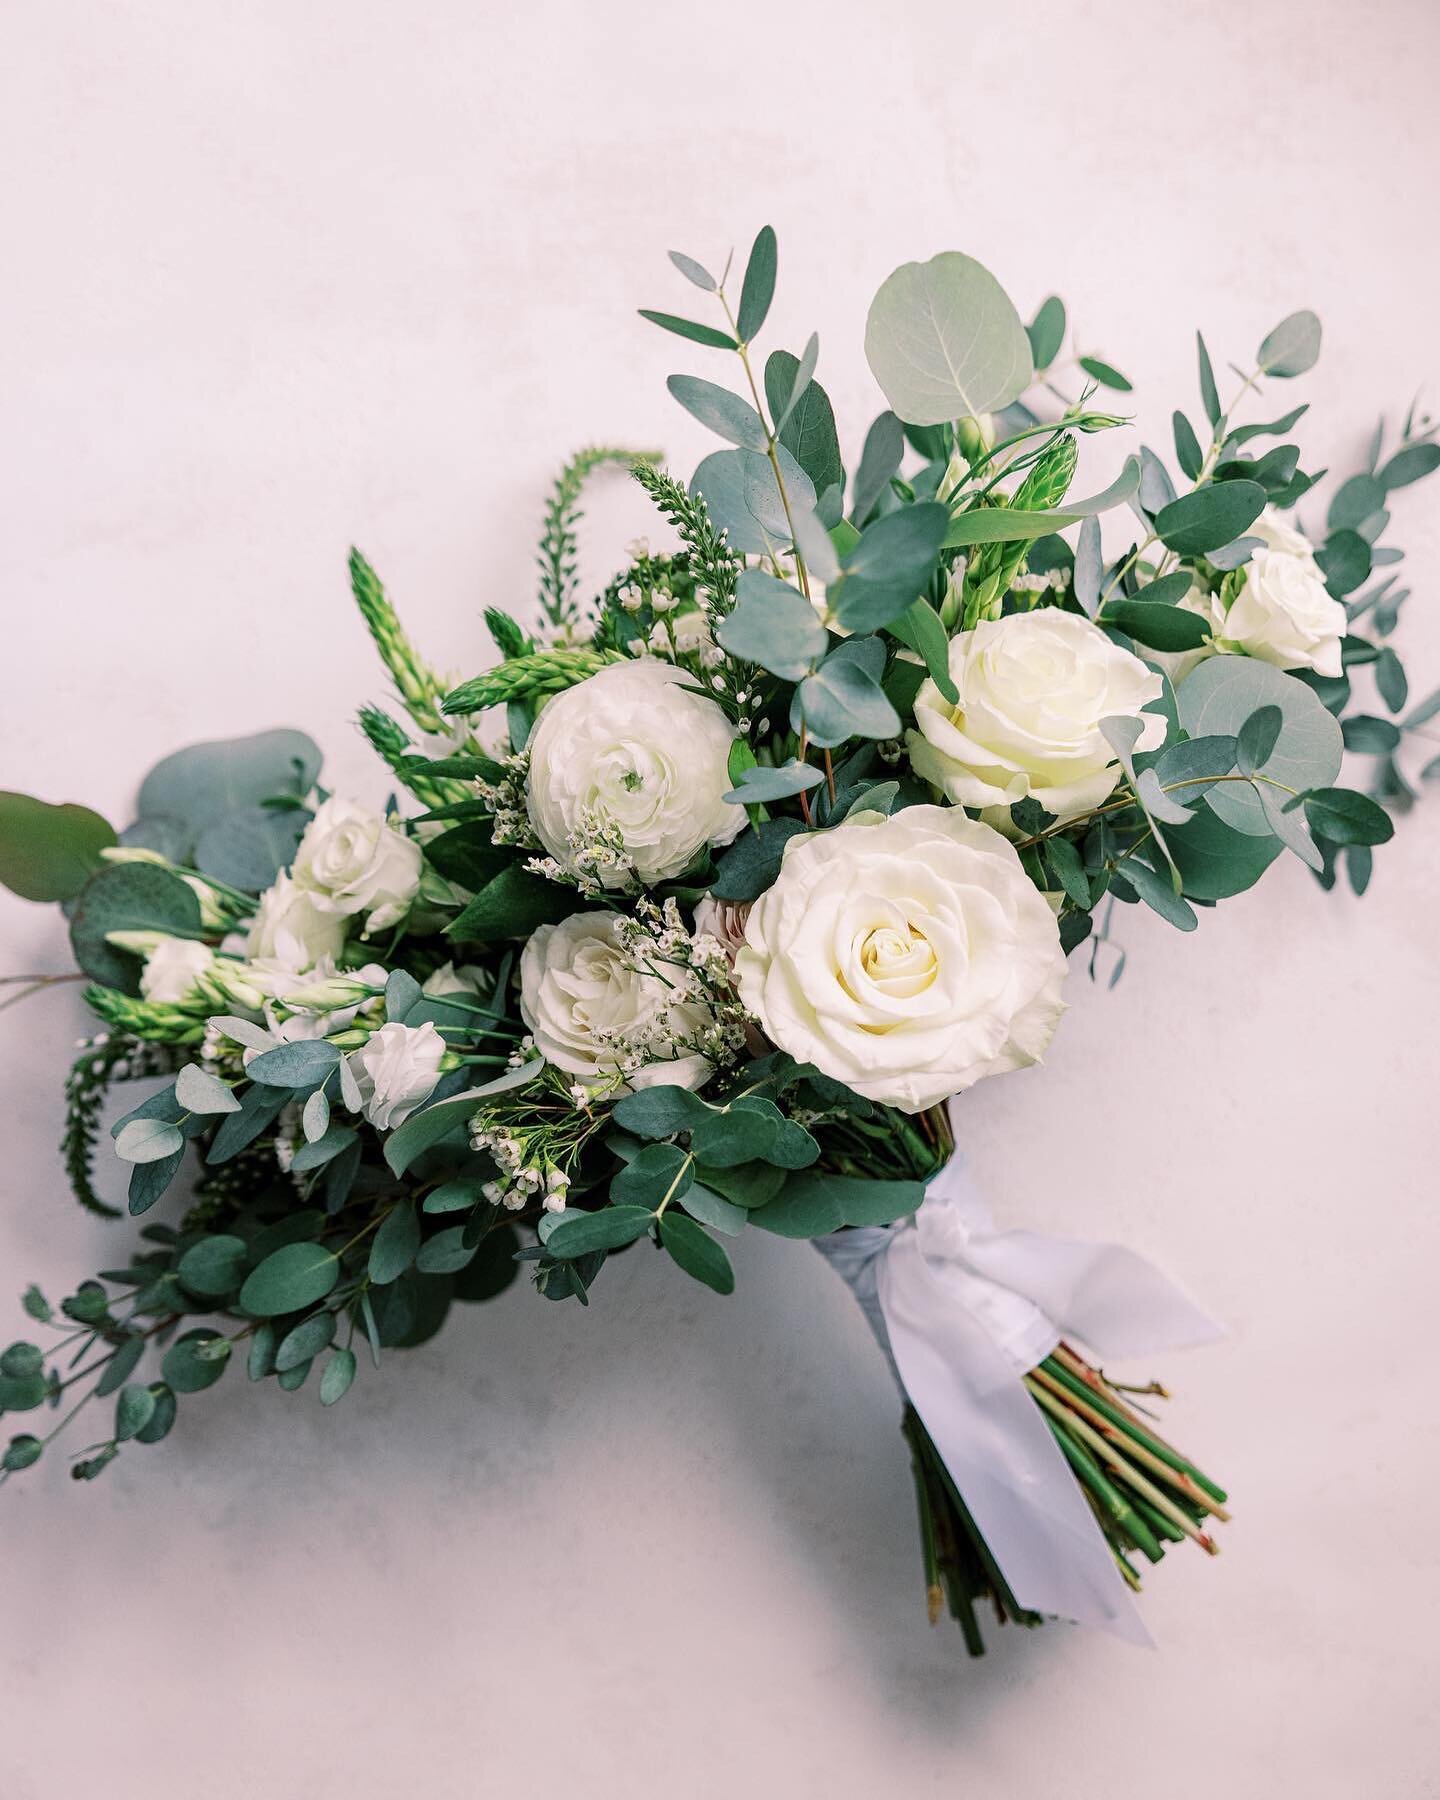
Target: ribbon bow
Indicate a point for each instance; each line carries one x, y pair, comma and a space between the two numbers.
964, 1312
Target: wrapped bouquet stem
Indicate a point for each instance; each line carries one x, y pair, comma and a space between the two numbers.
1036, 1481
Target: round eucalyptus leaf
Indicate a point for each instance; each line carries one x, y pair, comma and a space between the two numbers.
247, 847
134, 1409
48, 853
335, 1381
944, 341
215, 1266
1292, 347
163, 1416
1216, 862
128, 897
204, 781
148, 1140
22, 1452
195, 1361
1217, 699
304, 1342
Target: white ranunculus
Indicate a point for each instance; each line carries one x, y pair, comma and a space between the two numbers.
1285, 615
396, 1069
352, 861
594, 1013
1034, 687
173, 968
908, 958
636, 750
291, 930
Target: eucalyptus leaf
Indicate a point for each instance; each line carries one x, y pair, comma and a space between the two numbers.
1210, 516
773, 626
1292, 348
843, 698
198, 1091
48, 853
724, 413
1218, 697
758, 288
944, 341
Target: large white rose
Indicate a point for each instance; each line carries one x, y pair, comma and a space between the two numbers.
908, 958
352, 860
1034, 687
592, 1011
1285, 615
1276, 532
291, 930
396, 1069
636, 749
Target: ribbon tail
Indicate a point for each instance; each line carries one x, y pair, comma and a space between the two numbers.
994, 1440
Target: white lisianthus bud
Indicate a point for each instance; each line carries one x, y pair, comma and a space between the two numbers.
290, 927
174, 967
1034, 688
1283, 613
396, 1070
635, 748
594, 1013
351, 860
908, 958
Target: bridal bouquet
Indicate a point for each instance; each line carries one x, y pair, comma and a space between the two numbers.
695, 911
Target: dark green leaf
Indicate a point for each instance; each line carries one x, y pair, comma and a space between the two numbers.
305, 1341
890, 566
1292, 347
128, 897
653, 1175
758, 288
659, 1112
578, 1233
879, 460
1345, 817
195, 1361
395, 1243
1344, 558
134, 1409
809, 431
215, 1266
1410, 464
510, 905
1046, 332
1160, 627
259, 1108
1107, 376
1187, 446
48, 853
446, 1252
1208, 391
339, 1372
296, 1275
687, 328
1369, 735
697, 1252
1391, 680
299, 1065
1210, 516
1256, 738
752, 862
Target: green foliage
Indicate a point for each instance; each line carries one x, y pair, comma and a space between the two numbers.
944, 342
135, 896
48, 852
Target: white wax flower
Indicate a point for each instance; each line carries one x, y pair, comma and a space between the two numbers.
908, 958
352, 860
634, 748
396, 1069
1033, 687
593, 1012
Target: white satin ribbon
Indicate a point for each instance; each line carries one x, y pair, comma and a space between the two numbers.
965, 1312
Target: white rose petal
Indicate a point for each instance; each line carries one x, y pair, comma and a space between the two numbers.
584, 999
1276, 532
636, 747
1034, 688
396, 1070
1285, 615
909, 958
173, 968
351, 860
291, 930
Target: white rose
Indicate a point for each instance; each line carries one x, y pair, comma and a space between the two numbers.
633, 747
592, 1010
352, 860
1285, 615
290, 929
173, 968
1275, 532
908, 958
396, 1069
1033, 689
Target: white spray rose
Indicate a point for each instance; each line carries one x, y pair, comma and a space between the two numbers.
1034, 688
908, 958
396, 1069
636, 750
351, 860
1284, 614
172, 969
469, 978
291, 930
594, 1013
